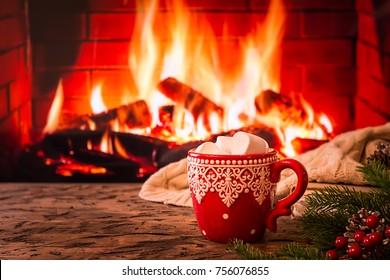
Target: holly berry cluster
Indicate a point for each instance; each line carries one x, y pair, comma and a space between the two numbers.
366, 235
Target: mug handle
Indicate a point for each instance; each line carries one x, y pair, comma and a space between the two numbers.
283, 206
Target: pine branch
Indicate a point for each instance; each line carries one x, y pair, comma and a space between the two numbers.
322, 228
376, 173
299, 252
248, 252
328, 210
291, 251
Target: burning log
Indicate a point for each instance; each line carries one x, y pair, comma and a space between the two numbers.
132, 115
288, 107
290, 111
73, 155
190, 99
135, 114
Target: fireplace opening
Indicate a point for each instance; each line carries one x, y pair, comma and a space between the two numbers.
114, 90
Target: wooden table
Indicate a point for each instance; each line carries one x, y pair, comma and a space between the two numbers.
107, 221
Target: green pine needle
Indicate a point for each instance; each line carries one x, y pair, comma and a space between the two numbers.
376, 173
247, 252
291, 251
328, 211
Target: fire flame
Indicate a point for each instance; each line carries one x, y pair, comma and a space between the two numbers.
97, 103
194, 59
55, 110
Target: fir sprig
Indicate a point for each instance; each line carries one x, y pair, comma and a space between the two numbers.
247, 252
328, 211
376, 173
291, 251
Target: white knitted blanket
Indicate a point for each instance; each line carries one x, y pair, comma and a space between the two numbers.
332, 162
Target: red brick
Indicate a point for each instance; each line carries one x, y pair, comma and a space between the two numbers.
386, 67
206, 24
111, 26
79, 106
9, 144
9, 69
338, 108
368, 116
385, 35
236, 5
58, 6
11, 7
120, 5
334, 52
233, 24
12, 32
3, 103
20, 92
374, 23
81, 55
40, 110
205, 5
111, 5
9, 129
115, 83
48, 27
364, 6
75, 84
373, 62
242, 24
320, 4
367, 29
325, 25
103, 54
329, 78
374, 93
291, 79
306, 4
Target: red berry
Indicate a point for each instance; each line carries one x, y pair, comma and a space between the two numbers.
366, 242
387, 232
332, 254
375, 238
341, 242
355, 251
372, 222
359, 236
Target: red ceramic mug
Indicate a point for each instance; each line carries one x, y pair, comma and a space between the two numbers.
233, 195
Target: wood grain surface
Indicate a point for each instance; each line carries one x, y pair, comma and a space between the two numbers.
107, 221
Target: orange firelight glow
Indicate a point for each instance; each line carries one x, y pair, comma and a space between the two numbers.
194, 59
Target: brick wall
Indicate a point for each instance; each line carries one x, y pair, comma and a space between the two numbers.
85, 40
335, 52
372, 103
15, 94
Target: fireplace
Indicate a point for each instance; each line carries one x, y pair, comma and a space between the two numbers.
334, 53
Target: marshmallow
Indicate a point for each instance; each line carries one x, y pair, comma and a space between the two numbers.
209, 148
224, 143
246, 143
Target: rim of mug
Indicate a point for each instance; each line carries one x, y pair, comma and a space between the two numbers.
270, 153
